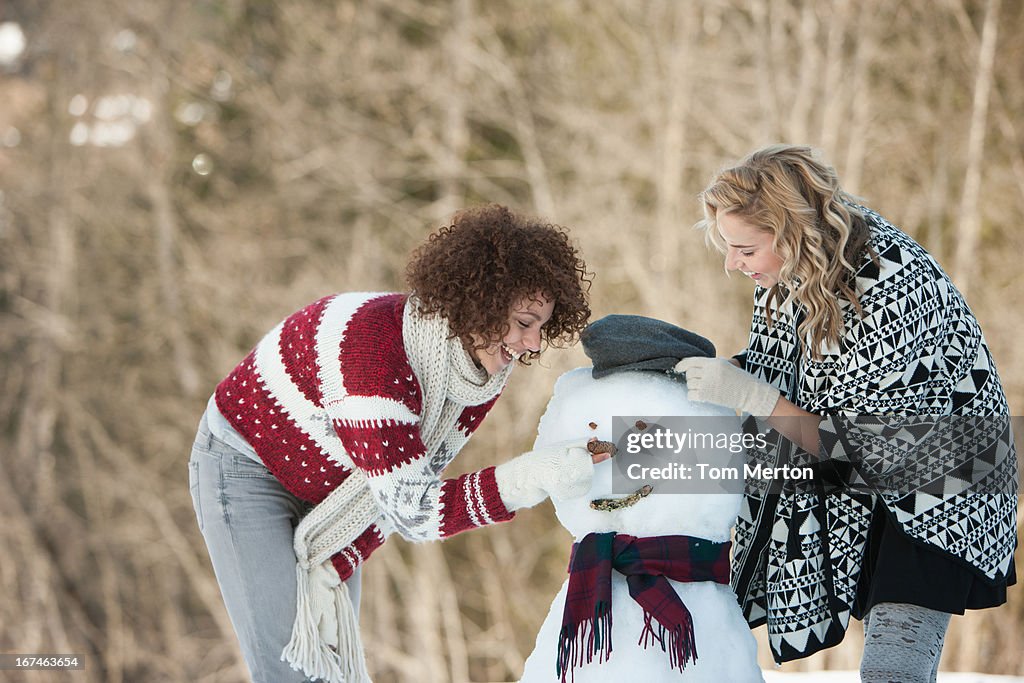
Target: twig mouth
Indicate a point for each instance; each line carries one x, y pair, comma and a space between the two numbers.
612, 504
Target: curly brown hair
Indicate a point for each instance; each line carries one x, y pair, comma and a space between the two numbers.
474, 270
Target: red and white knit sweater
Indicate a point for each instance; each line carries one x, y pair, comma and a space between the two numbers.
330, 389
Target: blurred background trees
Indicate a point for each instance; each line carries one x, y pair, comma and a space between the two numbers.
177, 177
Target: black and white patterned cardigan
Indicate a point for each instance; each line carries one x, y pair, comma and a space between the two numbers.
917, 351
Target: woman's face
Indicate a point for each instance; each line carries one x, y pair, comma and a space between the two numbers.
749, 250
525, 320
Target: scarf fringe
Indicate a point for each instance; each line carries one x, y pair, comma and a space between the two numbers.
578, 644
309, 653
682, 641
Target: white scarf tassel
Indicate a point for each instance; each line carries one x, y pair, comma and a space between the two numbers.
308, 652
350, 645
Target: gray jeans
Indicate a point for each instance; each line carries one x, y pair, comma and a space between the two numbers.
248, 520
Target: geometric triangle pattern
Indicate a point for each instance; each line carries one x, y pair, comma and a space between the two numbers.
912, 403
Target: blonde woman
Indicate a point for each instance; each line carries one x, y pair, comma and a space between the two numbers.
856, 331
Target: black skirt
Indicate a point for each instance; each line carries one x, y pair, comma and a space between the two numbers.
899, 569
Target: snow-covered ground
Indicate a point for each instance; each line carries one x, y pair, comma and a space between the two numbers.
854, 677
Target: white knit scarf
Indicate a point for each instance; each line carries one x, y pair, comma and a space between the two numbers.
449, 381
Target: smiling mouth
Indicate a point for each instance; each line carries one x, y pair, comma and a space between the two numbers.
507, 354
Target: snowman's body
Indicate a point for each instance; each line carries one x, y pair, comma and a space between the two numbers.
726, 650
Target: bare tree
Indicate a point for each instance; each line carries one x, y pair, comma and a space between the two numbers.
970, 219
293, 149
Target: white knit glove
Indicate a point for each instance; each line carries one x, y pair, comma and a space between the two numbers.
716, 380
563, 470
323, 579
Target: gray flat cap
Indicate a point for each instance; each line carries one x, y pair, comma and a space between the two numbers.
617, 343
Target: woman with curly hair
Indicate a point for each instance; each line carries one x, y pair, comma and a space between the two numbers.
863, 353
334, 432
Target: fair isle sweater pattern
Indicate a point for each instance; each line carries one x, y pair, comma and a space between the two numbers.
329, 390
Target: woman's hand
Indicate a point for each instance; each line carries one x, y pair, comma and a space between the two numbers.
717, 380
563, 470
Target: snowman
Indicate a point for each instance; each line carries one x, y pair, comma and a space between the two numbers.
672, 616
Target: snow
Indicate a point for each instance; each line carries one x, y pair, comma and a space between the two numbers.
579, 400
726, 648
854, 677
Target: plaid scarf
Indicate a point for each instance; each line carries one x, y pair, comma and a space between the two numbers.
648, 563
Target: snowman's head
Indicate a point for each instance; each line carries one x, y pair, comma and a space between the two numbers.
583, 407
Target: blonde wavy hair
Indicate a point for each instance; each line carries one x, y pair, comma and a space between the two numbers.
820, 236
